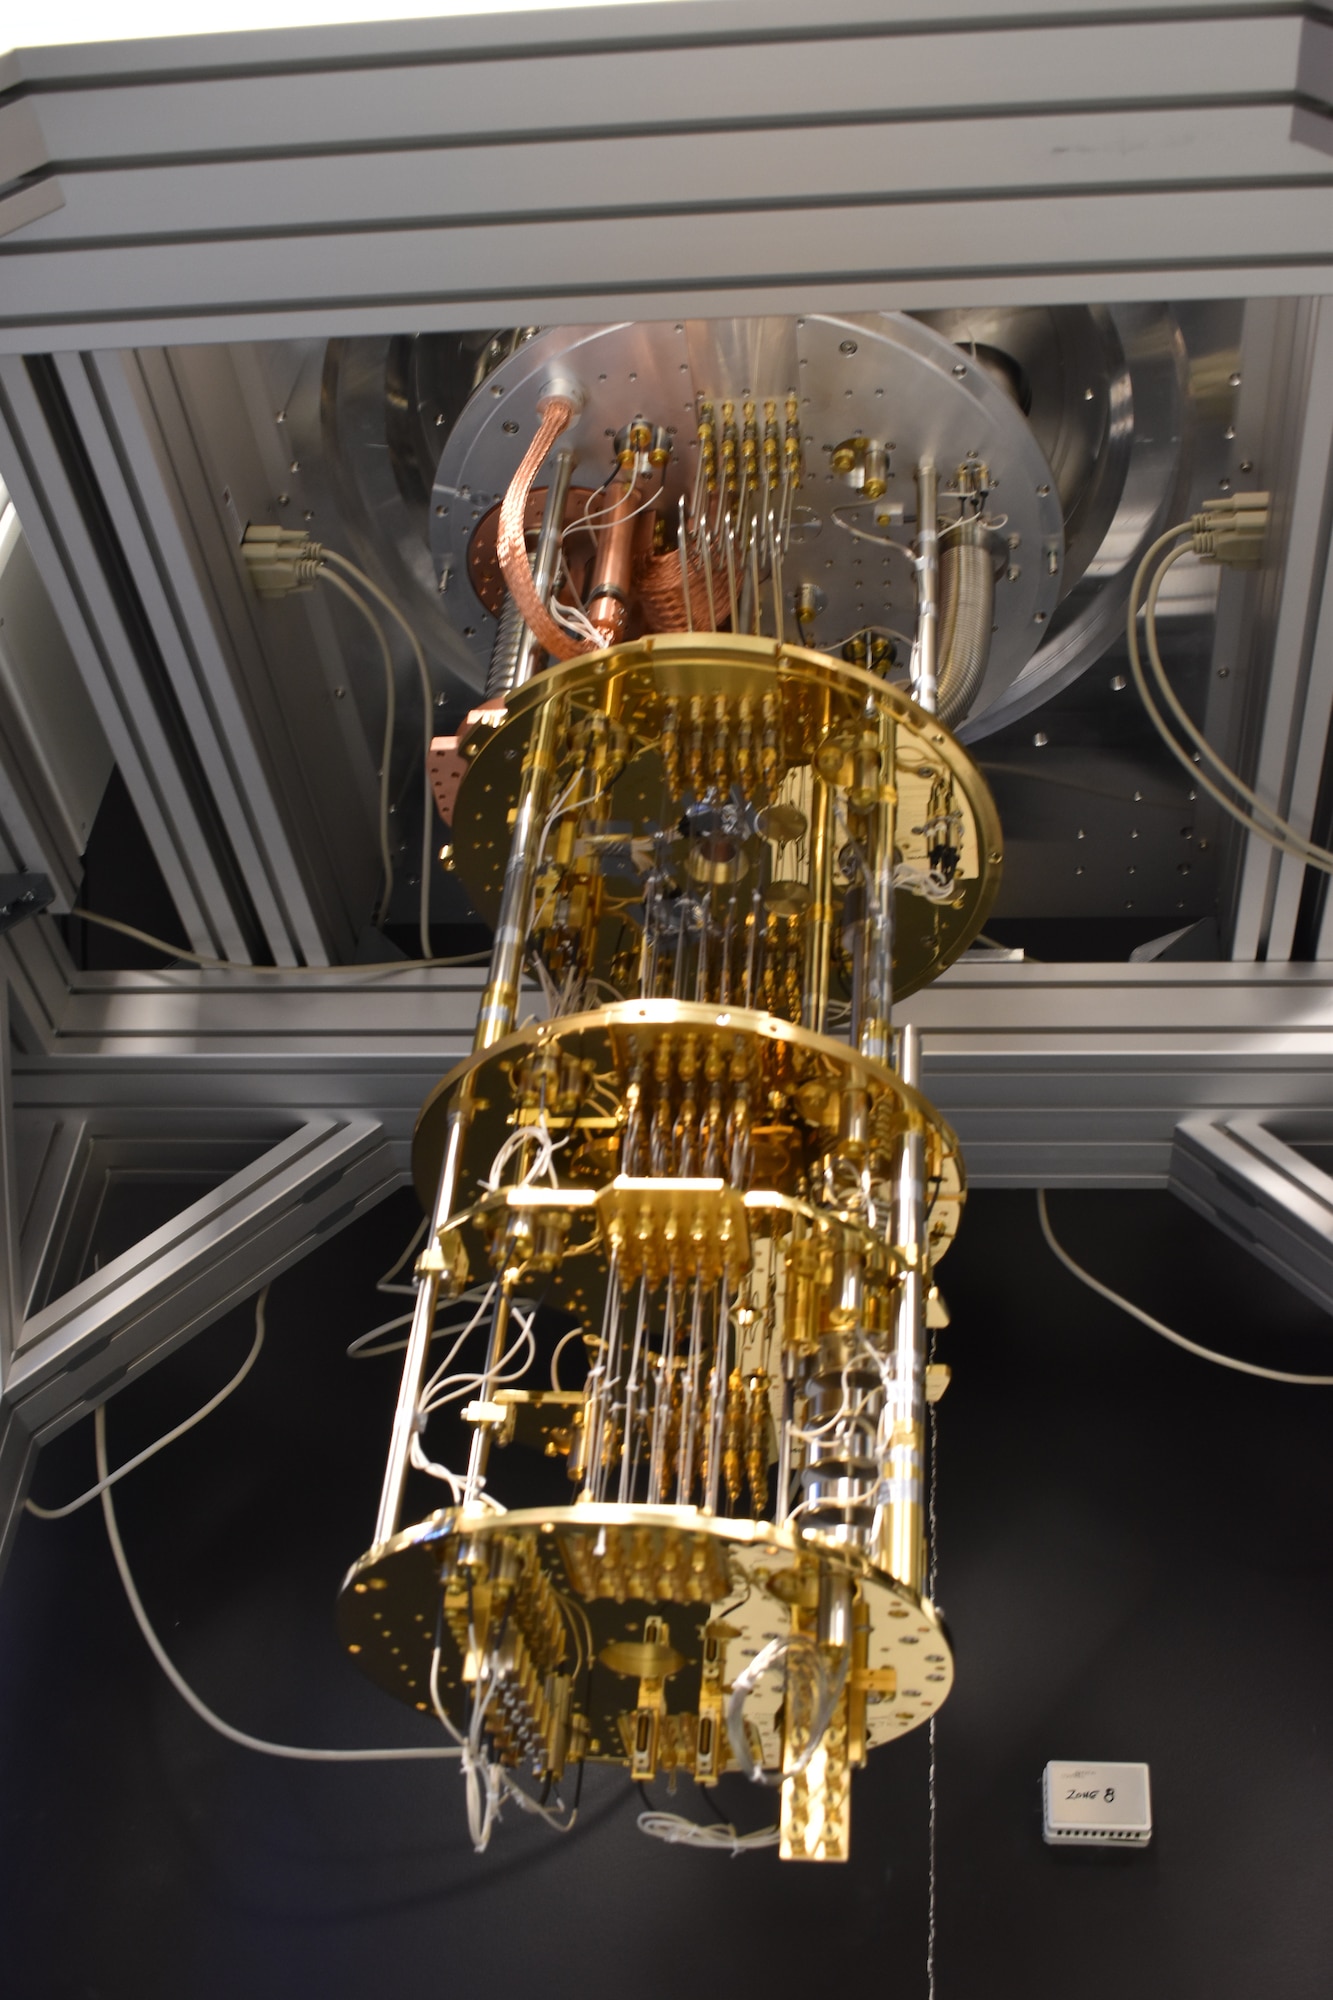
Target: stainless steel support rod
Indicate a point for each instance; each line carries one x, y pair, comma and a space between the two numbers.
925, 682
546, 568
875, 966
419, 1338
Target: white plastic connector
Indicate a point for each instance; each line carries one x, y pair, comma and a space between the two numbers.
1232, 531
280, 560
1103, 1804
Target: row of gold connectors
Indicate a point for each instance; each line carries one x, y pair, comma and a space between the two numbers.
741, 447
677, 1136
717, 744
763, 970
528, 1712
657, 1565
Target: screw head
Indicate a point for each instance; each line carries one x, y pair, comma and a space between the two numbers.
1119, 683
846, 347
1040, 740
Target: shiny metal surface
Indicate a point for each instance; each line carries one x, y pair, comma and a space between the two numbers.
883, 377
1121, 455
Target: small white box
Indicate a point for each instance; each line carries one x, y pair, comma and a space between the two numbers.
1106, 1804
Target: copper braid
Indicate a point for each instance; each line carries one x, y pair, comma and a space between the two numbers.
511, 542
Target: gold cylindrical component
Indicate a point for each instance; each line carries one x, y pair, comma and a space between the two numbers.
900, 1524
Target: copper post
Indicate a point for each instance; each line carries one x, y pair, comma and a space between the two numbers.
608, 594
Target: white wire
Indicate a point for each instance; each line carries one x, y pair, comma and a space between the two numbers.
1156, 1326
1280, 834
520, 1356
142, 1458
480, 1772
390, 717
438, 1377
794, 1651
575, 1333
681, 1832
428, 702
298, 1753
374, 971
385, 1284
357, 1350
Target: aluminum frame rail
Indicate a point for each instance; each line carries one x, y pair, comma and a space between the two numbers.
1052, 1075
1254, 1177
59, 1362
255, 832
337, 179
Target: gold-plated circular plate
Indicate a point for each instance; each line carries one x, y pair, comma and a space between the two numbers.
816, 1069
821, 703
754, 1572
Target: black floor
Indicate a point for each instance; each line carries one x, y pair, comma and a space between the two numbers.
1135, 1553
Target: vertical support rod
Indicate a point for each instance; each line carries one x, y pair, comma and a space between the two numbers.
547, 566
423, 1325
874, 1014
925, 686
819, 916
479, 1455
499, 1003
900, 1526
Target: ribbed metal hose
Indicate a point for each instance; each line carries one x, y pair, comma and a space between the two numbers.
504, 652
967, 610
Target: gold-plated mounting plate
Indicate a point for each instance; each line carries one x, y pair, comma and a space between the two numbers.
821, 701
814, 1071
744, 1580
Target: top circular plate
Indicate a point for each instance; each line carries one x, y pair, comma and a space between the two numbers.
879, 376
818, 696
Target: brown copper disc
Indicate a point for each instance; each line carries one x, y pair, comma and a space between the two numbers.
483, 563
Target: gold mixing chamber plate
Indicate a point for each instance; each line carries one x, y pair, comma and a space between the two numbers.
389, 1611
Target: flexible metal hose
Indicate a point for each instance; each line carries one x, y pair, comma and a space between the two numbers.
557, 413
967, 609
504, 652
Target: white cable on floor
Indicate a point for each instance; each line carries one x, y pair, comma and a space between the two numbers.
1156, 1326
142, 1458
298, 1753
105, 1481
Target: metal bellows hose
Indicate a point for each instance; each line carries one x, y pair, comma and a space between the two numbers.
967, 609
